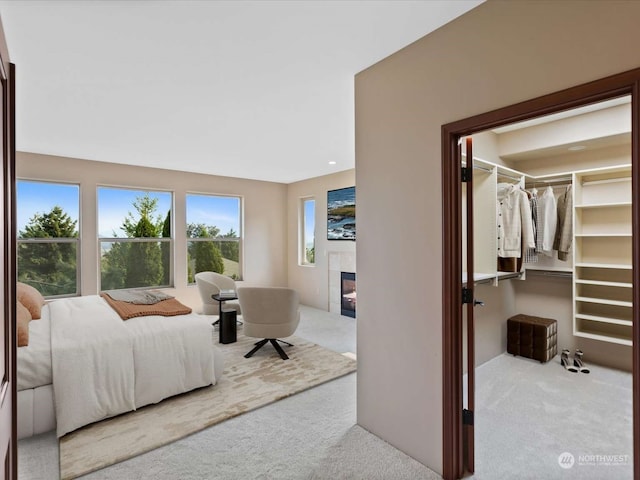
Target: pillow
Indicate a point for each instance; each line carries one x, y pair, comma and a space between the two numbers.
23, 318
30, 298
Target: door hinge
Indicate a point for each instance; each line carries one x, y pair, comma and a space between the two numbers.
467, 295
467, 417
466, 174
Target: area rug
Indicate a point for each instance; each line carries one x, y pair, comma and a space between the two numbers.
246, 385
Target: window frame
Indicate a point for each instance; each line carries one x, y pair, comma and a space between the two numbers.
73, 240
169, 240
302, 235
239, 239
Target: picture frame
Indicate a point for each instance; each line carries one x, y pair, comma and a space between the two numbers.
341, 214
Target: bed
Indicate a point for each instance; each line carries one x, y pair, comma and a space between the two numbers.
84, 363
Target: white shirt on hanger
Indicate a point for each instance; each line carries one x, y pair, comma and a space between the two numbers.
547, 221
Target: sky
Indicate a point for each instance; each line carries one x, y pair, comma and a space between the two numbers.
310, 222
114, 204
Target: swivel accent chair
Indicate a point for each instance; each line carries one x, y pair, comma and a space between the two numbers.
269, 313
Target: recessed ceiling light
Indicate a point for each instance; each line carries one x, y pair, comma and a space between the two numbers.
332, 162
576, 148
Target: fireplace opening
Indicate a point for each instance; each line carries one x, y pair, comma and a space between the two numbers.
348, 294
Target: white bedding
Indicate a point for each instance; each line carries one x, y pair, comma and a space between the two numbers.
34, 361
104, 366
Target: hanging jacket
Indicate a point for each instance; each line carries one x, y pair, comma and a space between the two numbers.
564, 230
514, 221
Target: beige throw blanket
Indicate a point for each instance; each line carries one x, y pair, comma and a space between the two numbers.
165, 308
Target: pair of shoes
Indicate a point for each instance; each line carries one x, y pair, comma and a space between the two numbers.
564, 360
578, 363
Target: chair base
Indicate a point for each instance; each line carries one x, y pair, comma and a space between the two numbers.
274, 342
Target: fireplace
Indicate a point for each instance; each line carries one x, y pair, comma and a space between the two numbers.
348, 294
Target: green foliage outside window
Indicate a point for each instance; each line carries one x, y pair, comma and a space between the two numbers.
49, 266
138, 264
166, 249
215, 255
310, 255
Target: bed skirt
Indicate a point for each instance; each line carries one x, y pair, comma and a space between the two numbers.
36, 411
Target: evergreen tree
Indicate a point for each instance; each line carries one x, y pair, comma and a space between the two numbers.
49, 267
144, 259
206, 255
230, 250
114, 266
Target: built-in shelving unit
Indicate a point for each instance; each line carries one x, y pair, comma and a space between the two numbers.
486, 178
601, 265
602, 285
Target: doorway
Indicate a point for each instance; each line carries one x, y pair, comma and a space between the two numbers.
458, 420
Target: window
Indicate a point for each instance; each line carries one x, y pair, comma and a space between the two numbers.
48, 241
134, 230
308, 222
213, 235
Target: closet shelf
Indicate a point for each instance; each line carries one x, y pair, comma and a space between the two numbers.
609, 337
596, 318
618, 266
508, 275
604, 301
606, 180
603, 304
549, 269
477, 277
604, 205
605, 284
603, 235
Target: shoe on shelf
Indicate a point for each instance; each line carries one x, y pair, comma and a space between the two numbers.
578, 363
564, 360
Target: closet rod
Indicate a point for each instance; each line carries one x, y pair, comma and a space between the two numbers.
548, 183
551, 180
484, 169
508, 276
478, 167
503, 175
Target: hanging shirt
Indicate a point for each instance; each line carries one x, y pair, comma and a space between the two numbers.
564, 230
514, 221
547, 221
531, 255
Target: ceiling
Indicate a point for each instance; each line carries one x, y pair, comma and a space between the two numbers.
595, 126
251, 89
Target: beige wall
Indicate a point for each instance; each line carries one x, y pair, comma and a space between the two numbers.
312, 282
498, 54
264, 221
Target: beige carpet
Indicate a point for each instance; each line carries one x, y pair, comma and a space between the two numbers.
246, 384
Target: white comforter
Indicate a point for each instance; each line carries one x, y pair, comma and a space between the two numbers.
104, 366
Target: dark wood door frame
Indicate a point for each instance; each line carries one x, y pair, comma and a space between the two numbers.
627, 83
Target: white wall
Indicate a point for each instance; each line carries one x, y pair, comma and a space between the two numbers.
264, 222
498, 54
312, 282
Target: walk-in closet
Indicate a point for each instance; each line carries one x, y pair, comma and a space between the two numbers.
552, 239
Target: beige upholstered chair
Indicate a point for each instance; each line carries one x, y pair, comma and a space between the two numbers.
269, 313
210, 283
